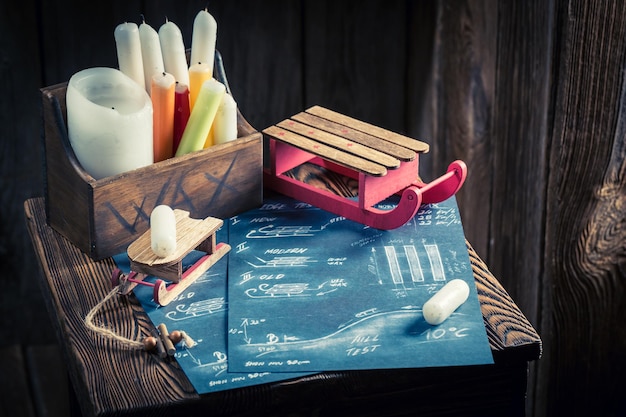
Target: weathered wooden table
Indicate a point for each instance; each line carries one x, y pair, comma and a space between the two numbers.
109, 379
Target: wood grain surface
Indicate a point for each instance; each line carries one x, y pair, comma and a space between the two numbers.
110, 378
585, 230
74, 283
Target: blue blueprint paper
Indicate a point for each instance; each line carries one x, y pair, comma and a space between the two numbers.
201, 312
311, 291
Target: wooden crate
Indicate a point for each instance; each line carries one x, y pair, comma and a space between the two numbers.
102, 217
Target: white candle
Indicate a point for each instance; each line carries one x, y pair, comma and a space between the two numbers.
128, 48
225, 123
203, 39
150, 54
109, 119
163, 231
173, 50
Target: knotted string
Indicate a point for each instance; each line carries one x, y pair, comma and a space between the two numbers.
133, 344
106, 332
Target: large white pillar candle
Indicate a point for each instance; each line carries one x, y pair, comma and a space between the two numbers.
109, 121
203, 39
173, 50
128, 46
150, 54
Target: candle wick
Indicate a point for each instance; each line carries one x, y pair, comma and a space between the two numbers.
143, 18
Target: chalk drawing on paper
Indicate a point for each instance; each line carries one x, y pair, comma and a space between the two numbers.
197, 309
281, 262
338, 291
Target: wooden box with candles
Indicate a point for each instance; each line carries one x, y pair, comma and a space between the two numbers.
103, 216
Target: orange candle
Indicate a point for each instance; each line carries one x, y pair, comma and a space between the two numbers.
163, 94
181, 112
198, 74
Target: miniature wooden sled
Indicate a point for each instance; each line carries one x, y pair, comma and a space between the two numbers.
190, 234
384, 163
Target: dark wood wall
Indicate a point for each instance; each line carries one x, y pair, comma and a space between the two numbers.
530, 93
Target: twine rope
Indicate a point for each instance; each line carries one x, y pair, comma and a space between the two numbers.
133, 344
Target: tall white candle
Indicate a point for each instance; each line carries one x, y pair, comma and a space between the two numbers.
173, 49
150, 54
128, 48
109, 118
203, 39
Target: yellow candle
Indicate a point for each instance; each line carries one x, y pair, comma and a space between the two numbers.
198, 74
201, 117
209, 138
163, 94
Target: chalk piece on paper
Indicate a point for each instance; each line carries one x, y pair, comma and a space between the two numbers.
441, 305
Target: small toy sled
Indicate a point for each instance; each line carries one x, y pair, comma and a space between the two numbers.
384, 163
191, 234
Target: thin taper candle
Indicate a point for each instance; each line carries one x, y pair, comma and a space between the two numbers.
173, 49
203, 38
199, 72
163, 95
150, 53
128, 47
181, 113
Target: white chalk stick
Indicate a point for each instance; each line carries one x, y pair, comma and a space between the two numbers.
441, 305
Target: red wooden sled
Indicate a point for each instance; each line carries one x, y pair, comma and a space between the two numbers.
384, 163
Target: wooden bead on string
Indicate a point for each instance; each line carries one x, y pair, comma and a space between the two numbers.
149, 343
176, 336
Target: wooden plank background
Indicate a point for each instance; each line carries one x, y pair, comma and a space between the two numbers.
530, 93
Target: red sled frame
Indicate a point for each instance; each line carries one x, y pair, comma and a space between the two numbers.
371, 189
